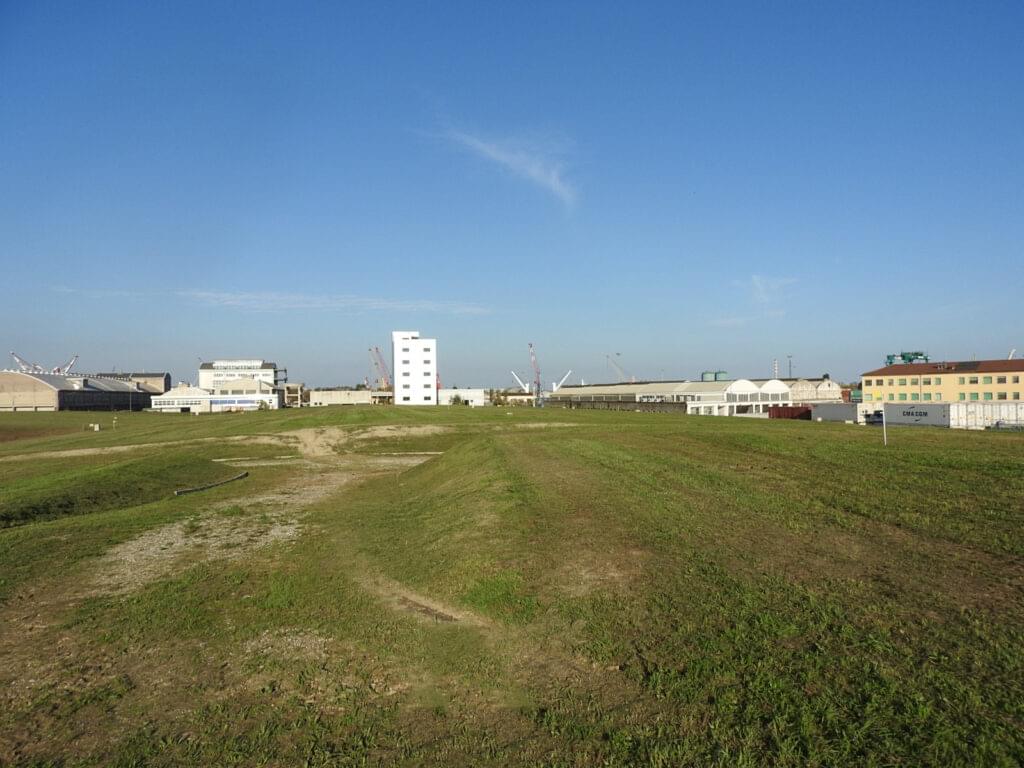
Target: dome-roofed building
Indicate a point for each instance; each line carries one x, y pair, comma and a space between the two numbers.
22, 391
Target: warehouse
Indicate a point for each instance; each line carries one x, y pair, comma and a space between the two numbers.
948, 382
54, 392
738, 397
823, 390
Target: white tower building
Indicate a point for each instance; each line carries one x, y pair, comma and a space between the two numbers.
414, 363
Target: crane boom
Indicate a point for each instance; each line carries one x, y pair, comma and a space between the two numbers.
65, 369
555, 387
521, 383
25, 366
386, 372
623, 376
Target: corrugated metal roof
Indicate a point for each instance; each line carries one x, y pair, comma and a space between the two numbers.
82, 382
966, 366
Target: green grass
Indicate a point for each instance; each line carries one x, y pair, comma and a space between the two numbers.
77, 491
634, 589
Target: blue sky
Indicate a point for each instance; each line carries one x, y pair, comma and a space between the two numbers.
690, 186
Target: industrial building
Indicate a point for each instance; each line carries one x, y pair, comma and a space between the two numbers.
414, 362
232, 395
23, 391
736, 397
945, 382
216, 372
155, 383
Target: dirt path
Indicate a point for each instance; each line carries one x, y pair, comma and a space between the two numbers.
312, 442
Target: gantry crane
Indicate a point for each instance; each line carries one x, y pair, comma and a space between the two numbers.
906, 357
25, 366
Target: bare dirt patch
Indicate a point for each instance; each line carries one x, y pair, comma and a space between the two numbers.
407, 601
255, 522
399, 430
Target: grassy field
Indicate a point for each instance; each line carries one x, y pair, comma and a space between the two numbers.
534, 587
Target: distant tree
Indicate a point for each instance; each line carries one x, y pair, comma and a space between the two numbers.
455, 400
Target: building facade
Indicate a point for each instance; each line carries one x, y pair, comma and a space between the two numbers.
474, 397
414, 366
216, 372
949, 382
322, 397
235, 395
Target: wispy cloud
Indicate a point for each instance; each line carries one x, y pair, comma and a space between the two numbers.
766, 298
524, 159
769, 290
272, 301
98, 293
276, 301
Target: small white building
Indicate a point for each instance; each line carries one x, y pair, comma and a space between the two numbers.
234, 395
322, 397
215, 373
464, 396
414, 366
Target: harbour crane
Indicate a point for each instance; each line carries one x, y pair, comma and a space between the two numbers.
25, 366
612, 363
65, 369
521, 383
383, 373
555, 386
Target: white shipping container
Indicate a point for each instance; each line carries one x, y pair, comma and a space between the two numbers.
834, 412
985, 415
927, 414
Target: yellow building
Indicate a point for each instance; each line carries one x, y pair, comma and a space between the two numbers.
974, 380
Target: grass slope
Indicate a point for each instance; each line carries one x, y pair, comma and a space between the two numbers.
626, 588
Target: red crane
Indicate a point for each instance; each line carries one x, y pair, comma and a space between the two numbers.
382, 367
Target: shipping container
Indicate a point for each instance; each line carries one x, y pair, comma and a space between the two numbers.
789, 412
927, 414
834, 412
1005, 415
